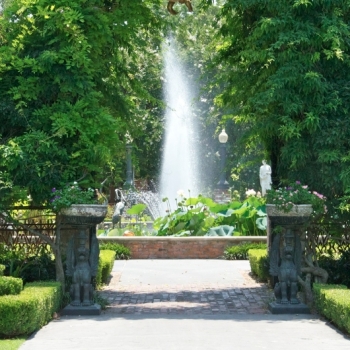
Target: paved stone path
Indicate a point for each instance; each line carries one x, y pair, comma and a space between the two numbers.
186, 305
184, 292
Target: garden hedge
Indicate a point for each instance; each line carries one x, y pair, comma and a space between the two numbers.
121, 251
105, 266
240, 251
10, 285
2, 269
258, 260
30, 310
333, 301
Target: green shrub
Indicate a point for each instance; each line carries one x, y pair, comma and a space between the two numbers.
333, 301
105, 266
30, 310
259, 264
338, 269
10, 285
2, 269
121, 252
240, 251
29, 268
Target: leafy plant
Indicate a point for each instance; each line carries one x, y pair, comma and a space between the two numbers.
289, 86
30, 268
338, 269
121, 251
259, 263
240, 251
99, 299
137, 224
296, 193
71, 194
195, 216
10, 285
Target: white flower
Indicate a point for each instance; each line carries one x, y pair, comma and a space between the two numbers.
181, 193
250, 193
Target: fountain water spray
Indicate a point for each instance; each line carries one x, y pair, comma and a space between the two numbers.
180, 156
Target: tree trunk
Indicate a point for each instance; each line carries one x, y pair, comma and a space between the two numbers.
309, 297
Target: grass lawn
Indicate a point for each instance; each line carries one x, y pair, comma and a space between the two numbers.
11, 344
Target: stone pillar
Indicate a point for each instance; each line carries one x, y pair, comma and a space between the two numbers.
285, 231
82, 255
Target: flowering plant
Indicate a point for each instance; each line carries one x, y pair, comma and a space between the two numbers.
285, 198
71, 194
252, 193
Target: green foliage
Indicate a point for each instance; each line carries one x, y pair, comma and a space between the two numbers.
287, 83
195, 216
10, 285
30, 310
258, 260
99, 299
333, 301
2, 269
105, 266
240, 251
73, 78
121, 251
296, 193
12, 344
30, 268
338, 269
136, 209
69, 195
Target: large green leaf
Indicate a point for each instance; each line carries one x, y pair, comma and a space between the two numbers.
191, 201
261, 223
207, 201
136, 209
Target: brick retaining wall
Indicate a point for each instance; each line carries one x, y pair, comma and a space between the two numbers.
179, 247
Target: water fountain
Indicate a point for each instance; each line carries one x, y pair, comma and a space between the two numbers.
148, 198
179, 169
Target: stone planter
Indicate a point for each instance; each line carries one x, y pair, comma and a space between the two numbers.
286, 230
84, 214
82, 255
298, 215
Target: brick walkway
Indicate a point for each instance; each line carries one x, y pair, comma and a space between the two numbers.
244, 296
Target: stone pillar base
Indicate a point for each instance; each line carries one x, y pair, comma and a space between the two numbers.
277, 308
91, 310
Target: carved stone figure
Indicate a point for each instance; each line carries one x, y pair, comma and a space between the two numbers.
82, 264
117, 215
172, 3
265, 177
285, 263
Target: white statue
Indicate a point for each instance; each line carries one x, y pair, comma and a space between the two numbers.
265, 177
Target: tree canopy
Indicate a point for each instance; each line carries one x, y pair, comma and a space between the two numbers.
287, 74
71, 88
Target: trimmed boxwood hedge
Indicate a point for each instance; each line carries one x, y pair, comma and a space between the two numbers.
30, 310
2, 269
121, 251
240, 251
258, 260
333, 301
105, 266
10, 285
